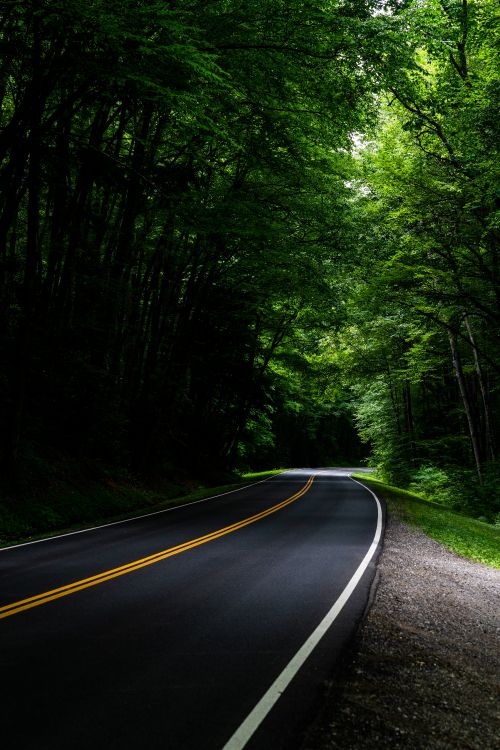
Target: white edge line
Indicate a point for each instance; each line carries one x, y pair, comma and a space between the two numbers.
246, 730
136, 518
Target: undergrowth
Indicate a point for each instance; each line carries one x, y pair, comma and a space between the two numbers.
68, 507
458, 532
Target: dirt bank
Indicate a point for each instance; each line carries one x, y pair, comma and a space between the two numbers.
424, 669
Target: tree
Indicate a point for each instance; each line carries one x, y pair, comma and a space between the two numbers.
427, 184
174, 186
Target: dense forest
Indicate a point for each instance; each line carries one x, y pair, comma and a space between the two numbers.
252, 234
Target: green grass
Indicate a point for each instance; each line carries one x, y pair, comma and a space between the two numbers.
254, 476
461, 534
73, 507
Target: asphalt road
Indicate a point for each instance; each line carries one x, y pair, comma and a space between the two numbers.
210, 626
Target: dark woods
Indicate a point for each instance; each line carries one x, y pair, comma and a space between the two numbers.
201, 267
164, 173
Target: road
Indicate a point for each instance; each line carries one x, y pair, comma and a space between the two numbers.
209, 626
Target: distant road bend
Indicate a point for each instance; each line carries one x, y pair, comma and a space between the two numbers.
211, 626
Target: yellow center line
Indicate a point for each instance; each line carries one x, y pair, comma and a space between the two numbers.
71, 588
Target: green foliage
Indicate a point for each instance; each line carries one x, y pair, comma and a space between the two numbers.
174, 183
228, 227
457, 488
434, 484
421, 348
74, 502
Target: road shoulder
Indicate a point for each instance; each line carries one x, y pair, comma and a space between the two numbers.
423, 668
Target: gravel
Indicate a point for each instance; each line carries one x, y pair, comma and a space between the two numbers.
423, 670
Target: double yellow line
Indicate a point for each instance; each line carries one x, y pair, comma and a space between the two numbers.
48, 596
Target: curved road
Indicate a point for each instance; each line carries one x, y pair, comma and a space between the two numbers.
208, 626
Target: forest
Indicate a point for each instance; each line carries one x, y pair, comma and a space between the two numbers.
248, 235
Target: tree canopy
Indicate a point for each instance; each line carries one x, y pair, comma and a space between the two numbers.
232, 231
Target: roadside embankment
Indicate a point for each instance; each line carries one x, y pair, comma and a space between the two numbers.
423, 671
71, 504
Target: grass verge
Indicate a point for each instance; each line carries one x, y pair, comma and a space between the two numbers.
461, 534
71, 508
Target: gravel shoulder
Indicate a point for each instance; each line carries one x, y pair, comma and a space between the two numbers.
423, 670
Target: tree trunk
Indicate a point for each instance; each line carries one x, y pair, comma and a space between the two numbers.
488, 435
19, 373
466, 402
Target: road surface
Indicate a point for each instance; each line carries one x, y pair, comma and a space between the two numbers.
209, 626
